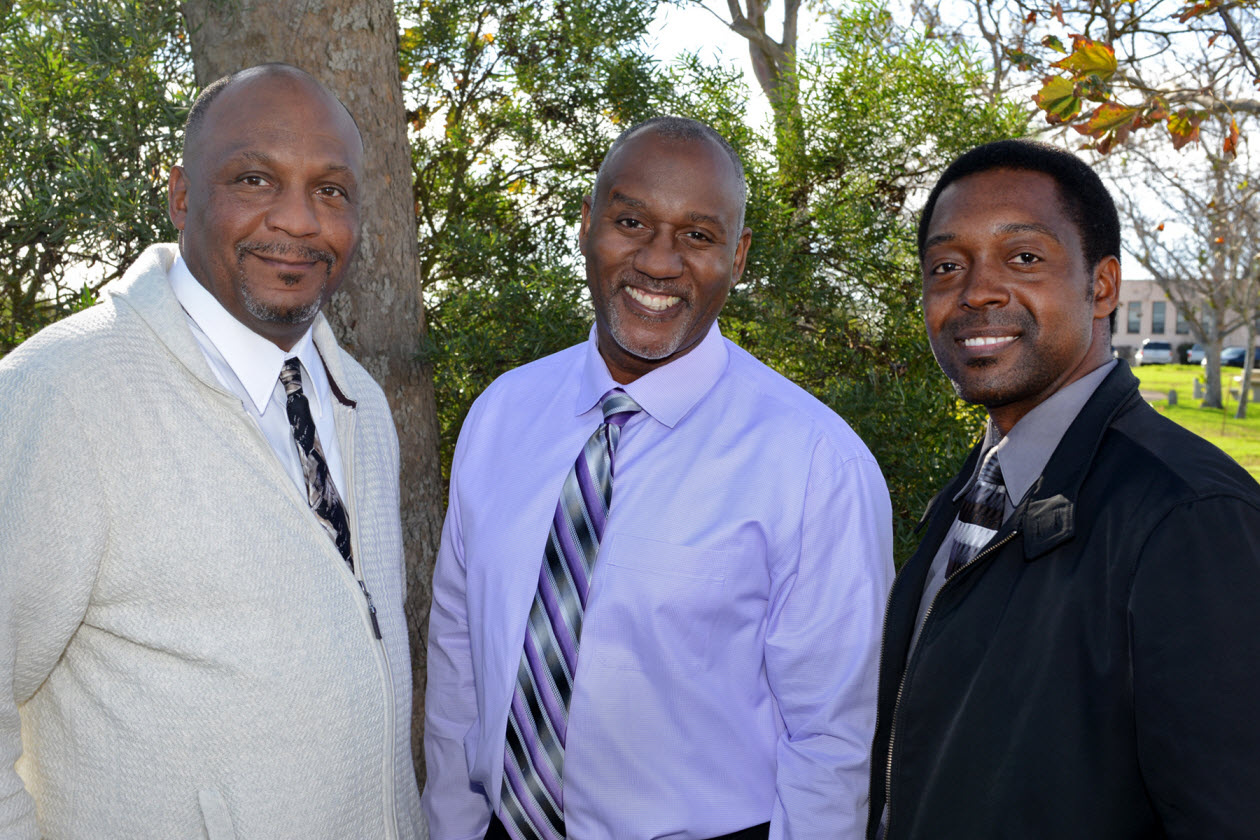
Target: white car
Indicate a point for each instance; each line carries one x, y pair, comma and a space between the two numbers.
1195, 355
1154, 352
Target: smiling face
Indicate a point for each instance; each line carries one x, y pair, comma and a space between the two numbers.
664, 243
1013, 312
267, 201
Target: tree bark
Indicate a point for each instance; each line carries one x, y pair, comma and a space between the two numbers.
352, 47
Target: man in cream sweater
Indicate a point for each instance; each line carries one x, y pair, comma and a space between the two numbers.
201, 627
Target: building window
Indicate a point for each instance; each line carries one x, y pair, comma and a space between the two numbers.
1135, 317
1183, 326
1157, 317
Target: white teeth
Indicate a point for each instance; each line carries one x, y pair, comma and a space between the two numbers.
987, 340
657, 303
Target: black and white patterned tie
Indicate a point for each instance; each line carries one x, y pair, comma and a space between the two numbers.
981, 514
321, 493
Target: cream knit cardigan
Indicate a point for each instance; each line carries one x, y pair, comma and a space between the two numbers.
184, 652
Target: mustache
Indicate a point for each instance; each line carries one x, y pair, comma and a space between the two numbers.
981, 321
648, 284
304, 253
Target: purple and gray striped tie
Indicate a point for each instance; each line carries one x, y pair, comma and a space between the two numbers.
531, 806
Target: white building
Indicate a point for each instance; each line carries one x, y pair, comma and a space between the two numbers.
1146, 312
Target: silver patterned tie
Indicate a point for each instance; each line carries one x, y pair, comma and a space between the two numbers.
981, 514
531, 806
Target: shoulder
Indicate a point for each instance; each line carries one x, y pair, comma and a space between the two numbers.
1160, 459
794, 412
73, 351
530, 387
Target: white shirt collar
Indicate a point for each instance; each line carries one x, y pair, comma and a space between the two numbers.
254, 359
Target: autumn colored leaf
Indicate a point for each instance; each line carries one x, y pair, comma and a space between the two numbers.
1107, 117
1231, 140
1032, 18
1158, 110
1220, 240
1194, 10
1089, 58
1160, 227
1184, 128
1058, 99
1053, 43
1057, 11
1115, 138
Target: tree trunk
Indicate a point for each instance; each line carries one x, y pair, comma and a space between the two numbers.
352, 46
1244, 388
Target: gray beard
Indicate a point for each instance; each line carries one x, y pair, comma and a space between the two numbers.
294, 316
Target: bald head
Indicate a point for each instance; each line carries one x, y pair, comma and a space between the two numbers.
274, 71
676, 130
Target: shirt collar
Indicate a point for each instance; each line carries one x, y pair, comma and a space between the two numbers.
1024, 452
255, 360
667, 393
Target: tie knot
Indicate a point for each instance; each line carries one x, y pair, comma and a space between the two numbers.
990, 471
291, 372
618, 407
291, 377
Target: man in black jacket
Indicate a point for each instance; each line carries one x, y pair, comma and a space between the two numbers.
1074, 649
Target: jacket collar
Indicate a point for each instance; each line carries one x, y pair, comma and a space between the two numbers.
1047, 516
145, 289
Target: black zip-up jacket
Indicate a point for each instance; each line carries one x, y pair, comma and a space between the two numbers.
1095, 672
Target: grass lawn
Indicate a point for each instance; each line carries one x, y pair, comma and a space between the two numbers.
1239, 438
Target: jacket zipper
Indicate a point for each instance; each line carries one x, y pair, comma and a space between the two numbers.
382, 660
901, 686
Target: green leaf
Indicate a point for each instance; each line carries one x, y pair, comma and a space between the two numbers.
1053, 43
1058, 99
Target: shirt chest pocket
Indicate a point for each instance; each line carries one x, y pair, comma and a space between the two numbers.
654, 606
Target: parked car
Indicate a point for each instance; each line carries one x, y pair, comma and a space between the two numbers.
1233, 356
1154, 352
1195, 354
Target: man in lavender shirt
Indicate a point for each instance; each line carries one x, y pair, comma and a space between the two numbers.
724, 682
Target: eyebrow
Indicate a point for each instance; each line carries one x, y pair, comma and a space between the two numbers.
1012, 227
639, 204
264, 158
622, 198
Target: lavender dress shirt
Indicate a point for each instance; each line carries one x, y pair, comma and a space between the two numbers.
727, 669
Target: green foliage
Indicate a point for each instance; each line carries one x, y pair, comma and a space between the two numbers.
514, 104
92, 95
831, 294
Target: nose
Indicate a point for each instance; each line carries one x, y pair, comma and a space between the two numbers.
659, 257
294, 213
984, 288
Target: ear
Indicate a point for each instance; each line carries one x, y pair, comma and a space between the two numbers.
1106, 287
177, 197
586, 223
741, 255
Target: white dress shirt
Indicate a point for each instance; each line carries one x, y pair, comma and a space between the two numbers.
249, 366
727, 665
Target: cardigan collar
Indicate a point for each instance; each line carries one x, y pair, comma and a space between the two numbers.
145, 288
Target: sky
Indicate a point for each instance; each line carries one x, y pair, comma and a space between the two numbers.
691, 27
